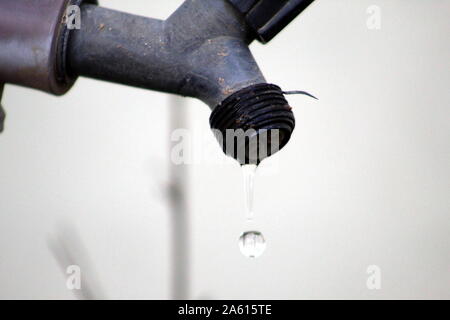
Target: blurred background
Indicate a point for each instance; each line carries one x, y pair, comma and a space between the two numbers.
87, 178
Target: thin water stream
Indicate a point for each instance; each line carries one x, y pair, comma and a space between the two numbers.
251, 243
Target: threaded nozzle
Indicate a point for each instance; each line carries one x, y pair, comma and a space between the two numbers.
253, 123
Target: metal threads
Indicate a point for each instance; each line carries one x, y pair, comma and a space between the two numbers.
261, 107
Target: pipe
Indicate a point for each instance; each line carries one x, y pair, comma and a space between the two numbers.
200, 51
32, 44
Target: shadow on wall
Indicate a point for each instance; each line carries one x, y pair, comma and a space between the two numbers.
73, 258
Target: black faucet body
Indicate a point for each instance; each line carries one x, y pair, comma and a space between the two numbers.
200, 51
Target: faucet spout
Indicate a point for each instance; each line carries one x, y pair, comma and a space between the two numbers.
200, 51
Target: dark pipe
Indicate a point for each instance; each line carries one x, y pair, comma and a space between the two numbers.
200, 51
30, 33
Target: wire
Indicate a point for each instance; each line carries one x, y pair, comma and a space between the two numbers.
300, 92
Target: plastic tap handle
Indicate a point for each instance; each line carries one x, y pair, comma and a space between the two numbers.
268, 17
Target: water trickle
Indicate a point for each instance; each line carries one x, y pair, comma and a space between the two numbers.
252, 244
249, 171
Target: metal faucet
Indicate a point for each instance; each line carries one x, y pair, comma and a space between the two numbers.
200, 51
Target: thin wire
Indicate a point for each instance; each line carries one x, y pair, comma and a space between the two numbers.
300, 92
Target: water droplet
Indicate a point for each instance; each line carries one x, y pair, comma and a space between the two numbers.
249, 171
252, 244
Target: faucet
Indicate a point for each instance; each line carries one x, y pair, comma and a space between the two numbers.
200, 51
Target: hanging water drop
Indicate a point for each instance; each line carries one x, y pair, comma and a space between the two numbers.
252, 244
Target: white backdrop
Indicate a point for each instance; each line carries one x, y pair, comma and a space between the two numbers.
364, 180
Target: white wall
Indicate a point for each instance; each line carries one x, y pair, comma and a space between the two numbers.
363, 181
